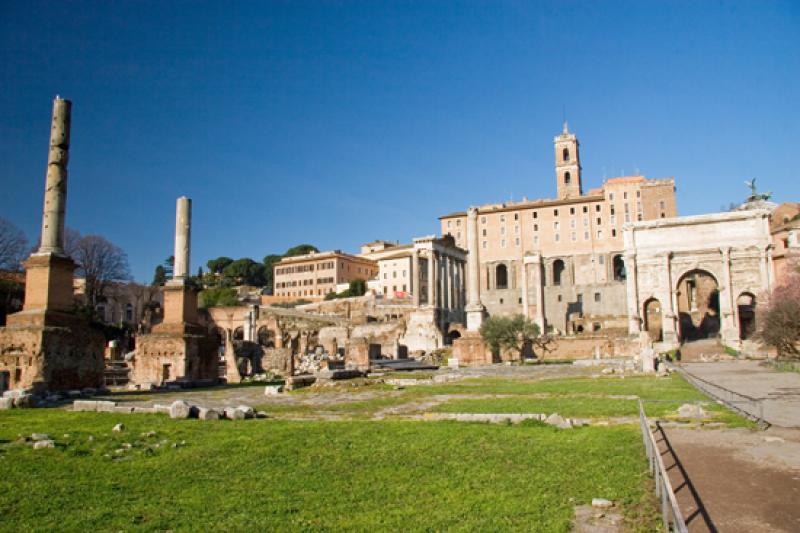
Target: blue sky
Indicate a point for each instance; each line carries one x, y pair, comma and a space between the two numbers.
336, 123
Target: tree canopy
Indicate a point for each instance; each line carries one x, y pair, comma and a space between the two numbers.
216, 266
100, 262
300, 249
509, 333
245, 271
13, 245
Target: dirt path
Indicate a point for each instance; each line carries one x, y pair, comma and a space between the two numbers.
735, 480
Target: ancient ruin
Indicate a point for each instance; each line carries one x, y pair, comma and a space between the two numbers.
46, 346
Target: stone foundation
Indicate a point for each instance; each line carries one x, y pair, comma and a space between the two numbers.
162, 357
470, 350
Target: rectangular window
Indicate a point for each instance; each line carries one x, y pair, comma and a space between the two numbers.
448, 223
571, 210
611, 196
602, 260
661, 204
599, 221
555, 225
536, 227
458, 223
517, 241
612, 209
502, 230
516, 216
638, 194
484, 245
585, 222
516, 230
502, 218
580, 298
585, 209
483, 220
503, 243
572, 223
599, 234
627, 217
484, 232
555, 212
597, 297
536, 239
613, 233
585, 235
535, 214
625, 196
597, 207
574, 237
558, 237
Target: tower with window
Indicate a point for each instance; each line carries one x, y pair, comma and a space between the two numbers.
568, 164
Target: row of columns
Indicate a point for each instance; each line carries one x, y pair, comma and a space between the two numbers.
445, 280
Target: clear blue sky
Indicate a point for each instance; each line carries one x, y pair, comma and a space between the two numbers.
336, 123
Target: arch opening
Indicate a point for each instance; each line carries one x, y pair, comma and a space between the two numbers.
698, 306
501, 277
746, 311
558, 271
652, 320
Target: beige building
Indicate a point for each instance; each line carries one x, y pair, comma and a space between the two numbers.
312, 276
785, 223
571, 247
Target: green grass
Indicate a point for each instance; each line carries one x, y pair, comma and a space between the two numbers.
672, 387
283, 475
354, 408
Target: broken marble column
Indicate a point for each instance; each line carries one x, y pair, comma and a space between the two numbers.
55, 193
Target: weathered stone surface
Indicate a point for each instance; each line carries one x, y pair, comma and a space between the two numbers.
261, 414
39, 445
144, 410
25, 400
233, 413
84, 405
688, 410
180, 409
273, 390
39, 436
126, 409
118, 428
601, 503
207, 414
6, 403
554, 419
164, 409
248, 411
105, 406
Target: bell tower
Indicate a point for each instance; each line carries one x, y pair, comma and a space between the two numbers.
568, 165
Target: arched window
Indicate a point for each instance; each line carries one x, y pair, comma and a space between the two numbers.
129, 313
501, 277
565, 154
558, 270
619, 268
567, 177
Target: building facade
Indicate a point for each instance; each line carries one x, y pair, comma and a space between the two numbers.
560, 261
312, 276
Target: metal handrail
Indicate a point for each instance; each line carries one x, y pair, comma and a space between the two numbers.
670, 511
727, 396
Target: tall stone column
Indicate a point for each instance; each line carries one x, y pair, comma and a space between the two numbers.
183, 228
535, 261
634, 320
524, 284
55, 192
770, 268
669, 320
726, 307
48, 271
431, 279
415, 284
475, 309
451, 285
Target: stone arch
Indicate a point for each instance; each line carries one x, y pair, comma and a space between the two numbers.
558, 271
653, 319
746, 311
698, 305
238, 334
567, 178
501, 276
565, 154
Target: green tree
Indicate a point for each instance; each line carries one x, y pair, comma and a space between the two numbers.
358, 287
509, 333
218, 297
217, 265
245, 271
159, 276
300, 249
269, 270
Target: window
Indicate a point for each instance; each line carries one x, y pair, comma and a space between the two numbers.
585, 222
597, 207
619, 268
501, 277
536, 227
555, 212
555, 225
600, 236
502, 218
586, 209
516, 216
567, 178
574, 236
585, 235
559, 298
599, 221
611, 196
502, 230
557, 237
613, 220
458, 222
597, 297
612, 209
661, 204
663, 215
613, 233
483, 231
516, 230
579, 299
565, 154
558, 270
483, 220
448, 223
517, 241
503, 243
535, 214
571, 210
625, 196
602, 260
627, 217
536, 239
572, 223
638, 194
484, 245
626, 206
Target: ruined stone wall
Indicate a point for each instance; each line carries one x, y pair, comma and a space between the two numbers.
56, 358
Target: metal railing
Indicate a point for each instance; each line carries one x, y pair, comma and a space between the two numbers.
670, 512
747, 406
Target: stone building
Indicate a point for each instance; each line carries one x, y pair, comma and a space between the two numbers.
560, 261
698, 277
785, 223
179, 349
46, 346
312, 276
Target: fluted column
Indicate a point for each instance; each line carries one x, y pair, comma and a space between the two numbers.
431, 279
415, 284
183, 225
475, 309
55, 193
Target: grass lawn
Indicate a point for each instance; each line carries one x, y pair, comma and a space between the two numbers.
288, 475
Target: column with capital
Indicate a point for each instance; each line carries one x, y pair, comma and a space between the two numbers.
415, 284
669, 320
634, 320
726, 303
431, 278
